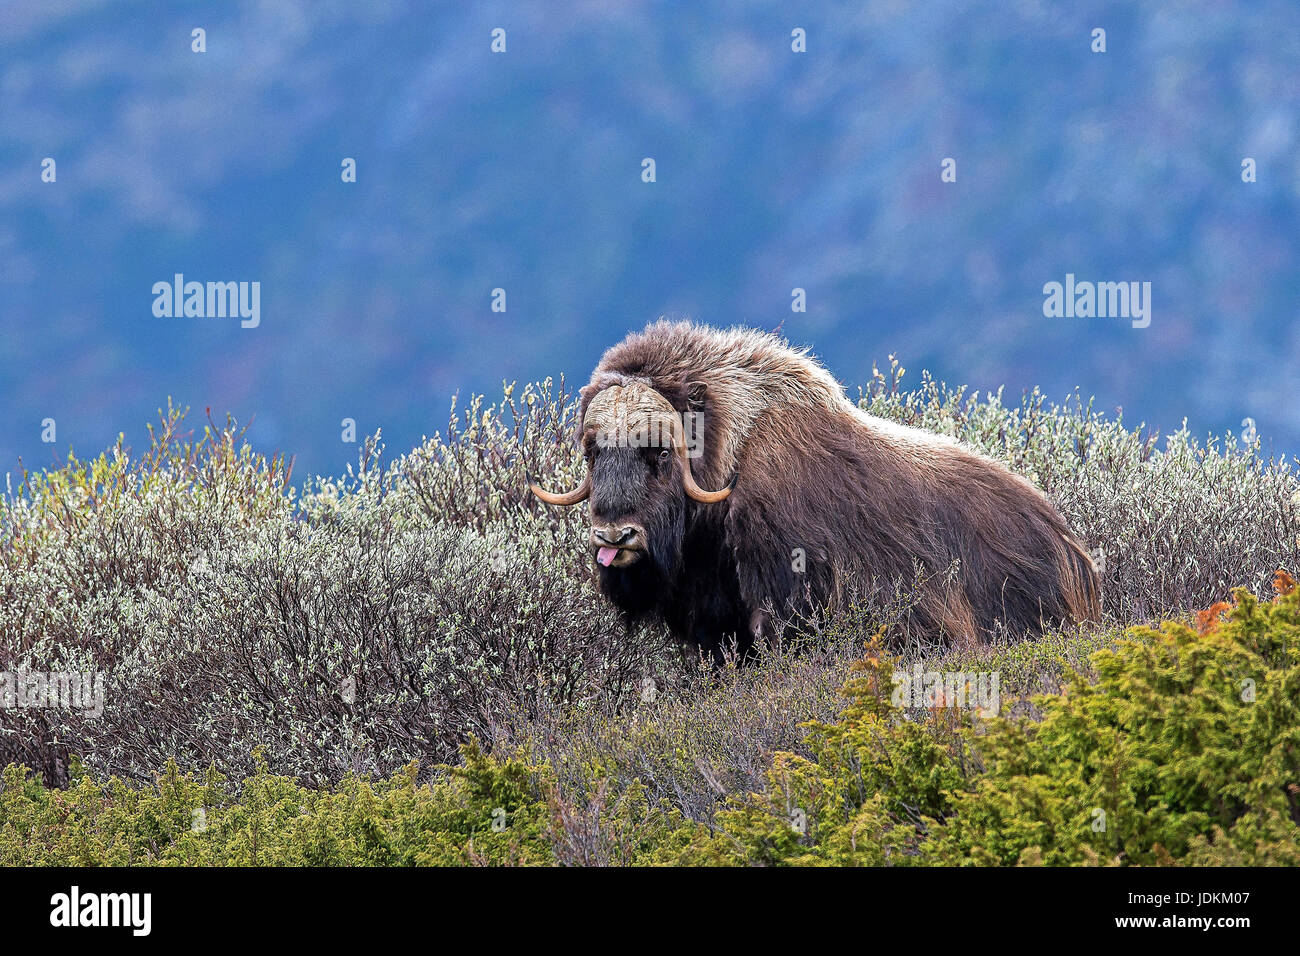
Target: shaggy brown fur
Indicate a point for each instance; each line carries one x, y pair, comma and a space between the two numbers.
865, 501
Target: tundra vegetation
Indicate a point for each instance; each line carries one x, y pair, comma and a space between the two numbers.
410, 664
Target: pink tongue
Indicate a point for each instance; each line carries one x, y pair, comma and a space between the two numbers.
606, 556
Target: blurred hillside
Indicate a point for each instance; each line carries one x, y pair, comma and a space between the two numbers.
522, 171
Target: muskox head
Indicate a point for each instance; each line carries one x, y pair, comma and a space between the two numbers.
638, 478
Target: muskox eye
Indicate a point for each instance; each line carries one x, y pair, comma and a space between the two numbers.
664, 456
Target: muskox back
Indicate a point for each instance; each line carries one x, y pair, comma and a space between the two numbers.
828, 502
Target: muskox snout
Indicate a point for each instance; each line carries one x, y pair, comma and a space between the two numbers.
616, 536
617, 545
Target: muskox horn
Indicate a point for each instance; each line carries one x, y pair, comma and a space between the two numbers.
581, 493
698, 493
688, 480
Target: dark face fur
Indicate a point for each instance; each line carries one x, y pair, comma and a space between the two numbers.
638, 477
638, 513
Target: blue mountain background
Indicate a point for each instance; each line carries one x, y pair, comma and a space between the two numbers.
522, 170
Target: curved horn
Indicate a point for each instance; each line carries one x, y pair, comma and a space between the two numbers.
698, 493
581, 493
688, 480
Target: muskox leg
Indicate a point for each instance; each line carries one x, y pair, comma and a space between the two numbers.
725, 646
716, 645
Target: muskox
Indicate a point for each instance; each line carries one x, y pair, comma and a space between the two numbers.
733, 487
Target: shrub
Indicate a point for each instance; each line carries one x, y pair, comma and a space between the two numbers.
345, 631
1185, 748
859, 797
484, 812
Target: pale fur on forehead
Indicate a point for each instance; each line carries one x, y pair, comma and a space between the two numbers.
629, 405
748, 374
